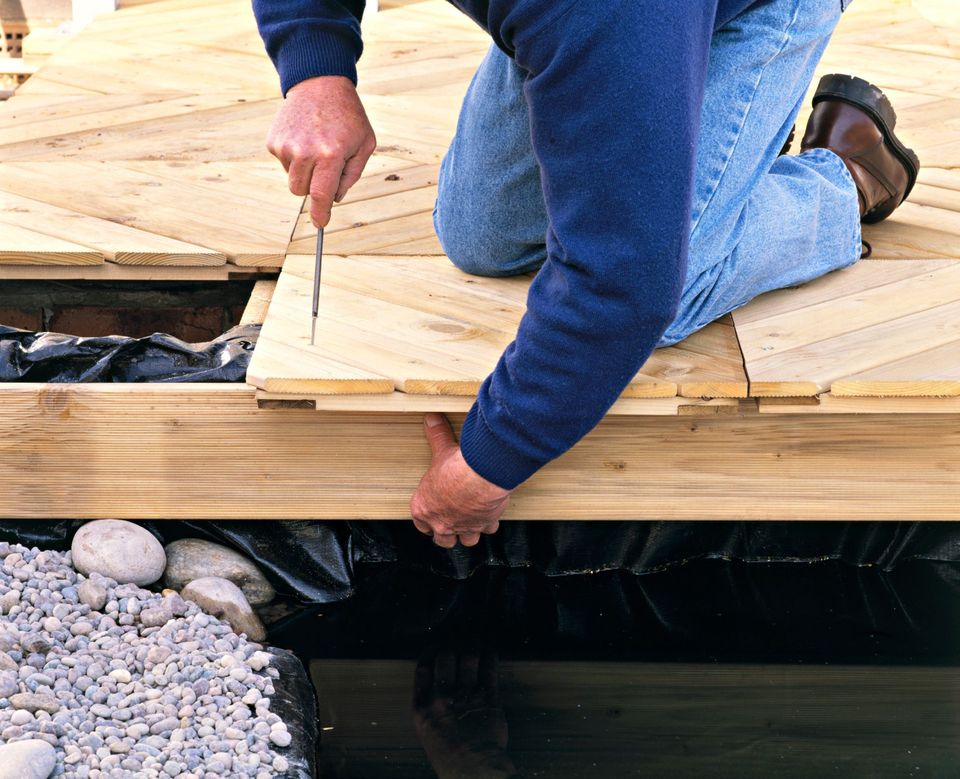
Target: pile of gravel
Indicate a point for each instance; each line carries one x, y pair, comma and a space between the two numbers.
120, 682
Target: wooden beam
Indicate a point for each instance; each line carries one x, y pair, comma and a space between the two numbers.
402, 402
259, 302
110, 271
208, 452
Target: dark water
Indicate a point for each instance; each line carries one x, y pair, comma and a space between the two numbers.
711, 669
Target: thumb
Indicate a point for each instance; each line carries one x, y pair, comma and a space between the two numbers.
439, 434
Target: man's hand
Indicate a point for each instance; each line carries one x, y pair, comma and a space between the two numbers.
323, 138
453, 502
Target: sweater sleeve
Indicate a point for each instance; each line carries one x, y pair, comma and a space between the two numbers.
614, 99
307, 38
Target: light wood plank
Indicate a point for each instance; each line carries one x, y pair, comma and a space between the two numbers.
259, 303
831, 331
932, 372
405, 403
109, 271
146, 201
116, 241
20, 246
828, 403
435, 330
169, 440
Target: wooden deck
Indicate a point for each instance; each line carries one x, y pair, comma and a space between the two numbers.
128, 157
395, 317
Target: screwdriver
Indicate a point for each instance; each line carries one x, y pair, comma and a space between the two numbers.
316, 286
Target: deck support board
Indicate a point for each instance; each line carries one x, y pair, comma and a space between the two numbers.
208, 452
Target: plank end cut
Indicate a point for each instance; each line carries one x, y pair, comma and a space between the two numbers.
922, 388
181, 259
714, 389
300, 387
781, 389
647, 387
23, 246
458, 388
258, 259
79, 257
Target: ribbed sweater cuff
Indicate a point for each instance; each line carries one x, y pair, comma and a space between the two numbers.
311, 52
492, 457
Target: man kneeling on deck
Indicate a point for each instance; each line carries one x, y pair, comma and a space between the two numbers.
634, 154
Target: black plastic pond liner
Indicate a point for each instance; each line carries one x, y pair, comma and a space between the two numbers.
295, 702
706, 611
58, 358
315, 562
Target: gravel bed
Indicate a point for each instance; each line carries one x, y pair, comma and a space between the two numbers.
127, 683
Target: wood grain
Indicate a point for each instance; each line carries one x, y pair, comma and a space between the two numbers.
71, 451
434, 330
870, 329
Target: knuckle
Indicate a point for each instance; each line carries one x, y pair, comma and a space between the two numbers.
325, 152
448, 526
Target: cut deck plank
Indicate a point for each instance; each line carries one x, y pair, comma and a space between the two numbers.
158, 203
870, 328
116, 242
934, 372
405, 403
828, 403
20, 246
110, 271
156, 139
434, 330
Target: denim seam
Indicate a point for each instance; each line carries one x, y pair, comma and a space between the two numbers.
831, 158
760, 73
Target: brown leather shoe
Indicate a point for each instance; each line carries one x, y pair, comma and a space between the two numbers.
854, 119
789, 141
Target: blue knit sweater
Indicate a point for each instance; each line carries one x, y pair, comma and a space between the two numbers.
614, 93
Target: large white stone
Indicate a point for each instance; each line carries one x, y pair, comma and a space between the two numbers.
119, 550
34, 759
223, 599
194, 558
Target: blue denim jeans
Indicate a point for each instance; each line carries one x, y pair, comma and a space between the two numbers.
760, 221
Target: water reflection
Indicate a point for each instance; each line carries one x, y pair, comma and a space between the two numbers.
715, 669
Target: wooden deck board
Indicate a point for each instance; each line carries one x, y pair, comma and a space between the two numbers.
434, 330
72, 451
863, 328
108, 142
149, 148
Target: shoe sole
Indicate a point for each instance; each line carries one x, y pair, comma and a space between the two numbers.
871, 100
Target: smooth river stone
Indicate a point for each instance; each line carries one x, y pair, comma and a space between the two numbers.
35, 702
93, 594
194, 558
33, 759
223, 599
119, 550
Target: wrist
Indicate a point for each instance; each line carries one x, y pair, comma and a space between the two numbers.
321, 84
477, 482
